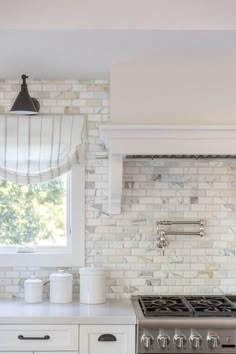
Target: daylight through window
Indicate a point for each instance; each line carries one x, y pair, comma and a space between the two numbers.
34, 215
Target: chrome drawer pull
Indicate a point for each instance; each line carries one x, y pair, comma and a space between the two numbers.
33, 338
107, 338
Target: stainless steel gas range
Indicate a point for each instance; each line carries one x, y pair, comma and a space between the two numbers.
185, 324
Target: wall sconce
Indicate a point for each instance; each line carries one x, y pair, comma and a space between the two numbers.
24, 104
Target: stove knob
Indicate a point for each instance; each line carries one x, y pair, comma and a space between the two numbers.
163, 341
179, 341
147, 341
195, 341
213, 341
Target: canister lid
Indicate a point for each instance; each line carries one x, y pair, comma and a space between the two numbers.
92, 271
61, 274
33, 280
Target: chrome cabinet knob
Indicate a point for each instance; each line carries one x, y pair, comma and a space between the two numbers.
195, 341
147, 341
213, 341
179, 341
163, 341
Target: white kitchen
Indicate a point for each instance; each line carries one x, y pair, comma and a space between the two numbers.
117, 176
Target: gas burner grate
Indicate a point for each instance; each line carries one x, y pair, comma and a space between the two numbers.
206, 306
164, 306
187, 306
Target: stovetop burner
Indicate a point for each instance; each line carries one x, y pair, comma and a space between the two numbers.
164, 306
193, 306
212, 306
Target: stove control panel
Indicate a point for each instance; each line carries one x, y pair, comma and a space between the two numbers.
198, 341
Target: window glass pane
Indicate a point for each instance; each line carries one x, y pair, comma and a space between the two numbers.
34, 214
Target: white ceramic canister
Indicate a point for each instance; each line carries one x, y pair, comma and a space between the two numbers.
61, 285
92, 285
33, 290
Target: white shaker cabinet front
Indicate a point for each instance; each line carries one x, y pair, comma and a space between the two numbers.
61, 352
106, 339
38, 338
16, 352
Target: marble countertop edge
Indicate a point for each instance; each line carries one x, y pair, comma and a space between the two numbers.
111, 312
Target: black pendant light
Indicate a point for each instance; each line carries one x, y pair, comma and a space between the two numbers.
24, 104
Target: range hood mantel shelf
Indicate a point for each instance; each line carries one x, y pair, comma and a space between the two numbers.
148, 140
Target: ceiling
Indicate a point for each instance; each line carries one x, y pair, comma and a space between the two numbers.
77, 39
90, 54
118, 14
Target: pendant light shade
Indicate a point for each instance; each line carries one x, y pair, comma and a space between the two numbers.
24, 104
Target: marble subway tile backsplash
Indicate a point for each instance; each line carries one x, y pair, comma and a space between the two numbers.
125, 245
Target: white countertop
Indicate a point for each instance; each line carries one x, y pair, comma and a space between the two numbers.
112, 312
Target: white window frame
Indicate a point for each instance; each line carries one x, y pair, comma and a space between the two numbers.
54, 256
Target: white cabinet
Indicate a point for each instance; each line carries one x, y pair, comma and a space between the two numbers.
67, 339
105, 339
38, 338
63, 352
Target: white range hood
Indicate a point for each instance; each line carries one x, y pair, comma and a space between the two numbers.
123, 140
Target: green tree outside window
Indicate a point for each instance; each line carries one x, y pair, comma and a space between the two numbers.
34, 214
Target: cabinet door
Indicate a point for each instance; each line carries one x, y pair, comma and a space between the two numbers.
61, 352
105, 339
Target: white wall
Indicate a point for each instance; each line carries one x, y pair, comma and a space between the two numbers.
125, 244
180, 89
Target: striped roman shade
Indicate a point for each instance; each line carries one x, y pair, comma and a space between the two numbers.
34, 149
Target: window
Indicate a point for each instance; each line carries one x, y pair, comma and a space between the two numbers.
43, 224
34, 215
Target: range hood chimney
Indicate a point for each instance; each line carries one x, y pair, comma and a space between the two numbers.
161, 141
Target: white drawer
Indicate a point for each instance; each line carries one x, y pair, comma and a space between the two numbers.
63, 352
119, 339
38, 337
